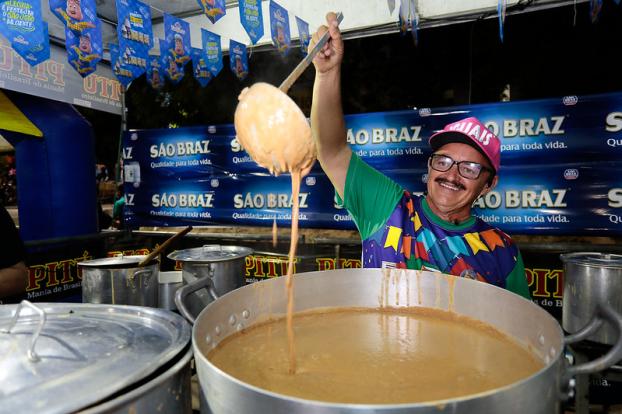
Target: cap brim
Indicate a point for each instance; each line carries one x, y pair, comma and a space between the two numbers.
448, 137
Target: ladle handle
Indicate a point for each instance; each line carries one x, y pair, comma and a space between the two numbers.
298, 70
164, 245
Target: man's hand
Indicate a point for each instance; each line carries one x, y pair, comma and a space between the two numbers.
331, 55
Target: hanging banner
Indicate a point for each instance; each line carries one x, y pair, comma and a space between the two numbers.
212, 48
85, 50
135, 34
213, 9
303, 32
120, 72
173, 71
154, 72
238, 59
251, 17
560, 168
77, 15
177, 36
21, 22
199, 67
36, 53
279, 28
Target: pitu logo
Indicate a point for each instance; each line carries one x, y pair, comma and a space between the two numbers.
425, 112
570, 100
134, 136
278, 16
571, 174
237, 50
310, 181
177, 28
214, 182
424, 178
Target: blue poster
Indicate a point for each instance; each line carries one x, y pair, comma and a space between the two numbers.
238, 59
251, 17
213, 9
135, 34
21, 22
154, 72
303, 32
37, 53
123, 75
279, 28
84, 50
211, 45
560, 168
77, 15
199, 67
174, 72
177, 36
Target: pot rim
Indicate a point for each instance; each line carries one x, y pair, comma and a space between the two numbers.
593, 259
118, 262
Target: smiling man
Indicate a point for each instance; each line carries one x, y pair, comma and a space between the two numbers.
433, 232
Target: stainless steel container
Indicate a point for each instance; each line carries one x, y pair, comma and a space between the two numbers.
591, 279
61, 358
209, 272
523, 320
119, 281
168, 283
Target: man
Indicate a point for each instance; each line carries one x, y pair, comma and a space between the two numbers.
435, 231
13, 271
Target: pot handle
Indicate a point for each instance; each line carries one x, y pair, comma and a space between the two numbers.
32, 355
604, 313
131, 280
184, 291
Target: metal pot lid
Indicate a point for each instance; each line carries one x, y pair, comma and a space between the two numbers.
61, 357
210, 253
593, 259
117, 262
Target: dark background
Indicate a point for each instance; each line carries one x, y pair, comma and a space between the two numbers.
546, 53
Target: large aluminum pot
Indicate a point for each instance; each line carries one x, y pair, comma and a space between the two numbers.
119, 281
520, 318
591, 279
209, 272
74, 357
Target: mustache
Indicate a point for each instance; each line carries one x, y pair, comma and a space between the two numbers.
442, 180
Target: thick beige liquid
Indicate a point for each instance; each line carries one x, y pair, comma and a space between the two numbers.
370, 356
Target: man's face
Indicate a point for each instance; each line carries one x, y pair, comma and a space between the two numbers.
73, 9
448, 191
179, 47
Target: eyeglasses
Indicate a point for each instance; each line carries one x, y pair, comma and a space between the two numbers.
467, 169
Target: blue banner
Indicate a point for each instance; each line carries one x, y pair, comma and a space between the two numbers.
560, 168
211, 45
251, 17
21, 22
85, 50
154, 72
37, 53
199, 67
303, 32
135, 34
77, 15
123, 75
238, 59
177, 36
213, 9
279, 28
174, 72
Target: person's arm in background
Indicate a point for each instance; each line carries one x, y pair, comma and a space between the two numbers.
13, 270
327, 122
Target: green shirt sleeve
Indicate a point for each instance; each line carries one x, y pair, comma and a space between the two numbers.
370, 196
517, 281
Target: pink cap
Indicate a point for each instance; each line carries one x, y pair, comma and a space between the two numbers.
471, 132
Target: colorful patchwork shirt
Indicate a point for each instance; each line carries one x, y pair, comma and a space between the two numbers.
400, 230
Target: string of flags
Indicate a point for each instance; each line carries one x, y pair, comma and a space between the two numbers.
21, 22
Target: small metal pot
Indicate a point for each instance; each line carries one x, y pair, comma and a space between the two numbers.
591, 279
119, 281
210, 272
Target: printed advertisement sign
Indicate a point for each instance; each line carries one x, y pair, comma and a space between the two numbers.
559, 170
